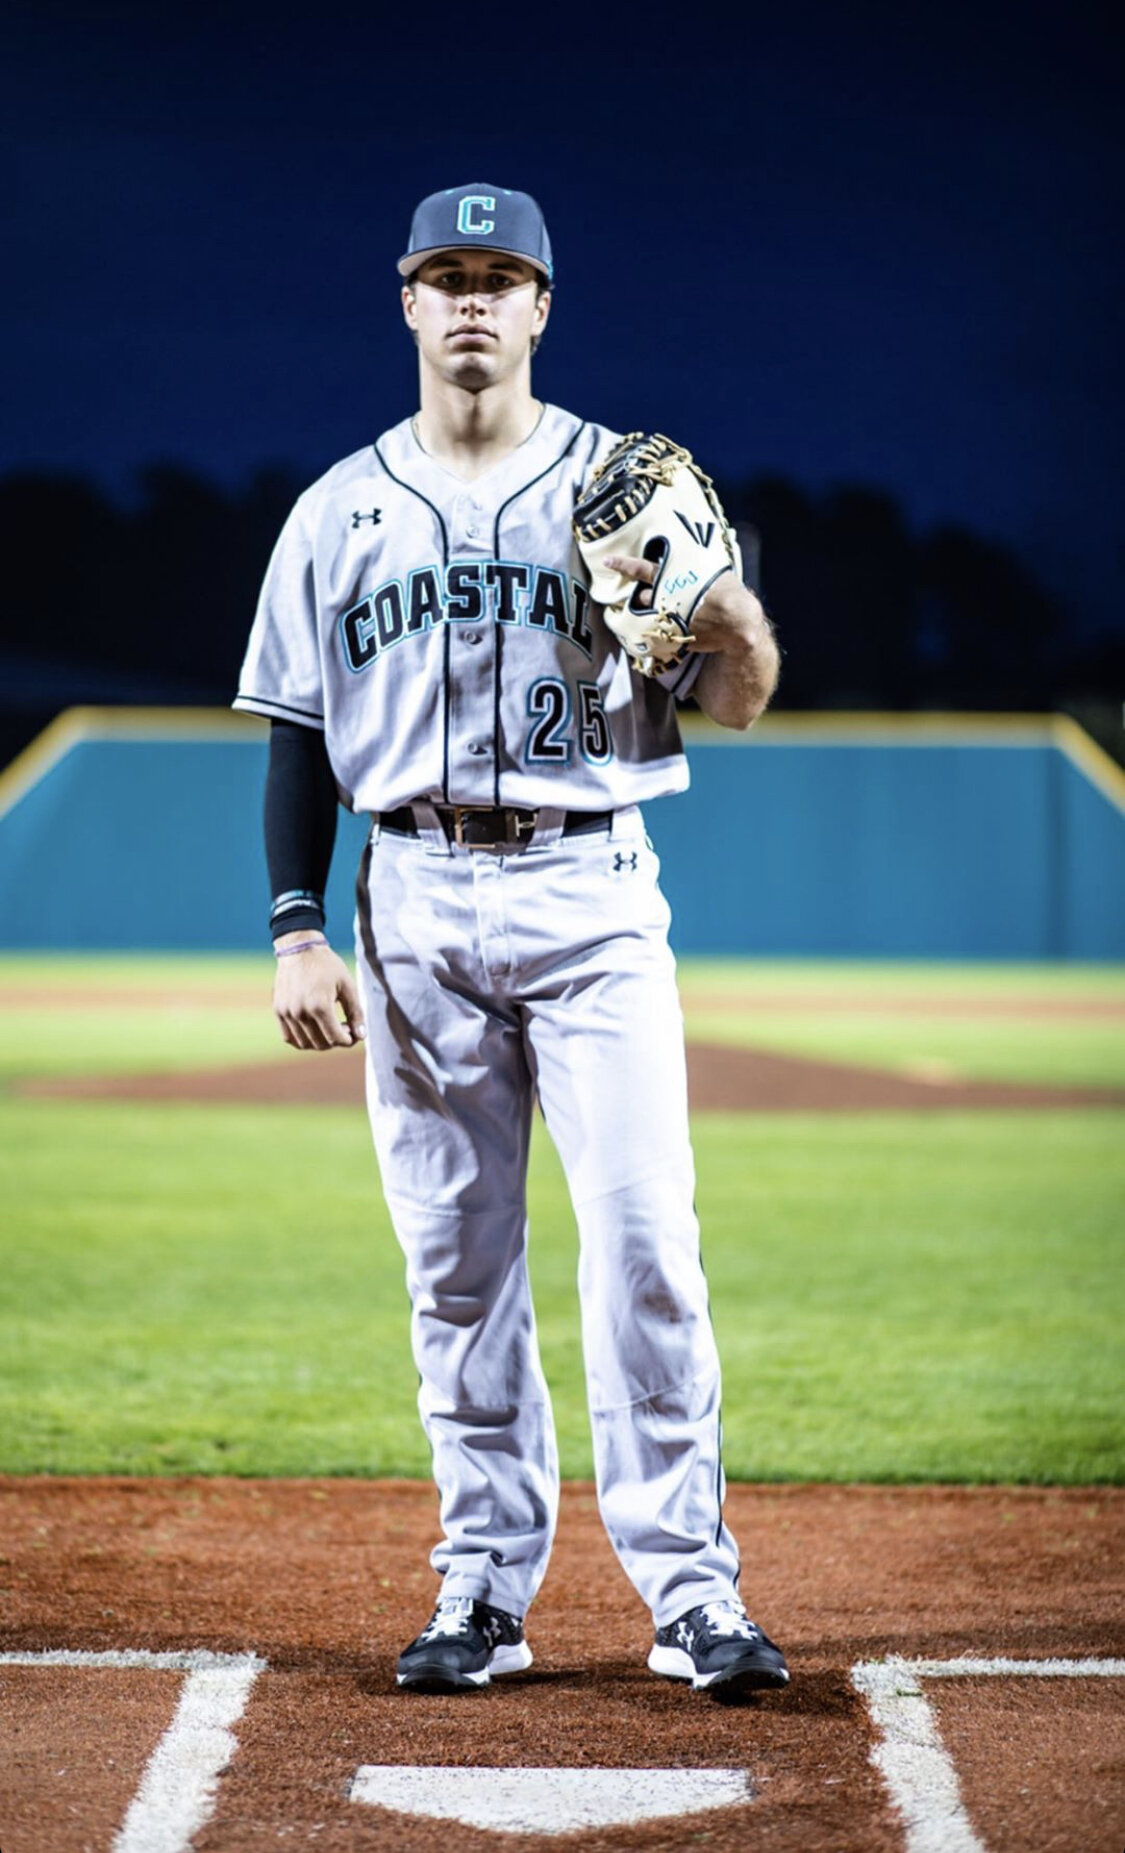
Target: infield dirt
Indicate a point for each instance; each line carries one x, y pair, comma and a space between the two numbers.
328, 1579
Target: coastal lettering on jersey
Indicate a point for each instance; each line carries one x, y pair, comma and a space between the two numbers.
467, 591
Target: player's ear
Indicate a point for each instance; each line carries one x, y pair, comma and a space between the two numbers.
409, 305
539, 320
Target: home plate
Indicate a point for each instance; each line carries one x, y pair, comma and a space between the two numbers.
547, 1801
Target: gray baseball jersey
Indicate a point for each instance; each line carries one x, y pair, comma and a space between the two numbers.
442, 635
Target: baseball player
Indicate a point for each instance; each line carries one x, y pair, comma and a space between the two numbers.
427, 651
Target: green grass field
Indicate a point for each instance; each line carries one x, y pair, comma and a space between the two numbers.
869, 1019
910, 1296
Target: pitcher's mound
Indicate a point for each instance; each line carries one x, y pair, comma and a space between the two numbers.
720, 1079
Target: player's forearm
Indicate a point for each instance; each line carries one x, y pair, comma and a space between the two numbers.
300, 828
740, 674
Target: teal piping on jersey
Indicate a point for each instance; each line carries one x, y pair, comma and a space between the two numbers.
514, 497
436, 512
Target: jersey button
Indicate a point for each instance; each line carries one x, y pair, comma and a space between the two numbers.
471, 636
476, 748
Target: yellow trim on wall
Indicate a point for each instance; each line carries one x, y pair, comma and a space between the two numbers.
876, 729
1089, 758
169, 723
75, 725
36, 760
936, 729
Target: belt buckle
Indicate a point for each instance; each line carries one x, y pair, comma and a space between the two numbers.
460, 812
521, 826
516, 827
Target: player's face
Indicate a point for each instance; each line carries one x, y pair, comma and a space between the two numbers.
475, 314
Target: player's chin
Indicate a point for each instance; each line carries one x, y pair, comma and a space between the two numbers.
472, 368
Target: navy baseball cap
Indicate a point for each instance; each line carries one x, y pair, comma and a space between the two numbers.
480, 218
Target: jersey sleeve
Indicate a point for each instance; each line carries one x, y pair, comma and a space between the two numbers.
281, 674
682, 677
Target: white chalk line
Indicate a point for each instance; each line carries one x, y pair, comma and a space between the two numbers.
177, 1791
189, 1660
547, 1801
911, 1756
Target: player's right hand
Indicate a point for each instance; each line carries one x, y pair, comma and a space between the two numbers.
310, 989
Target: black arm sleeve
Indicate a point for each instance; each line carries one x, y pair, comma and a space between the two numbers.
300, 821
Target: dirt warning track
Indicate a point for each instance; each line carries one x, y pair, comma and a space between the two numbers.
256, 1624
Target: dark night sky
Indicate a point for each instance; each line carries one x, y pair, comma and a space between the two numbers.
876, 244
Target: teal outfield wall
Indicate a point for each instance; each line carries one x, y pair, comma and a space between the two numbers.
861, 836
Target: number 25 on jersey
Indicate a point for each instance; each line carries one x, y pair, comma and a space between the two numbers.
550, 740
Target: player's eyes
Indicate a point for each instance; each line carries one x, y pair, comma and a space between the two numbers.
457, 282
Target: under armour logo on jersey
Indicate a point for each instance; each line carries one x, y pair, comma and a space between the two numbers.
699, 530
374, 517
623, 861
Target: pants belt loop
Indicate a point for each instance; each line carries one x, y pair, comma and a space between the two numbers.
548, 826
433, 837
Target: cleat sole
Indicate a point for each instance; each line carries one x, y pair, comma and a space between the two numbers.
740, 1675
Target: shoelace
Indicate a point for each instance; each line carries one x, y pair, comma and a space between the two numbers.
450, 1617
728, 1618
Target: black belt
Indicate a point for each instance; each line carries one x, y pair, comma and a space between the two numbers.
477, 828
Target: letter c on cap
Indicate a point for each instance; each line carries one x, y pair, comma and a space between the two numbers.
465, 220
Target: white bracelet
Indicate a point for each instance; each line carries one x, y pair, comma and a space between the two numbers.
304, 945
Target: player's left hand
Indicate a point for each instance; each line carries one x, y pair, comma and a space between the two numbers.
726, 619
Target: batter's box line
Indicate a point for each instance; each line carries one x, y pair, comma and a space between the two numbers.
177, 1791
911, 1757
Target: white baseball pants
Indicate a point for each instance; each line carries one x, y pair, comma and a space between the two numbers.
488, 980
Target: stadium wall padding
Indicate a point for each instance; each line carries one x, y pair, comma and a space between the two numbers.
873, 837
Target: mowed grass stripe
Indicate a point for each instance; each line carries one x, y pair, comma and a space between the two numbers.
77, 973
896, 1297
897, 979
143, 1015
1048, 1052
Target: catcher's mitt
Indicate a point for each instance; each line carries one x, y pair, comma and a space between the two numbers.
649, 499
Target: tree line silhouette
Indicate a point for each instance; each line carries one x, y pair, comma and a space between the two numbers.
869, 614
